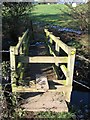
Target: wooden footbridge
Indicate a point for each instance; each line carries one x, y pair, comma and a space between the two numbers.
20, 59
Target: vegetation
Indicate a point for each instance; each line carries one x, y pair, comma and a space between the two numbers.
10, 102
55, 116
16, 17
10, 106
80, 15
63, 15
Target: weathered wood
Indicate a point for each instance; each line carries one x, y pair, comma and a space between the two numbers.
26, 89
21, 39
57, 49
66, 48
42, 59
21, 50
20, 71
63, 82
51, 50
12, 58
70, 67
64, 69
13, 65
60, 88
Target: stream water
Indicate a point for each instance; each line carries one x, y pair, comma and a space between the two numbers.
80, 100
66, 29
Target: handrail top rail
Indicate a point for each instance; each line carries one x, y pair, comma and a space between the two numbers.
65, 47
21, 39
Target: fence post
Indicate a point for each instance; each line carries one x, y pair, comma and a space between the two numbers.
27, 46
13, 66
21, 49
70, 69
57, 50
46, 41
50, 50
70, 66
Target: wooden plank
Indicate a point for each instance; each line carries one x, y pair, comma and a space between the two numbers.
60, 88
64, 69
60, 81
51, 50
12, 58
21, 39
13, 65
41, 82
41, 59
57, 49
26, 89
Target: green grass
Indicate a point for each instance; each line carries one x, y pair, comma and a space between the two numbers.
55, 116
51, 14
56, 14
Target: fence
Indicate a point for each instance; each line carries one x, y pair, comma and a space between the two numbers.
17, 68
69, 59
18, 58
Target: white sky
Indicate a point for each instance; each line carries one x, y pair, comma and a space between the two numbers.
73, 0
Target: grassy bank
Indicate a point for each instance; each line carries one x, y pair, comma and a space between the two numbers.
51, 14
58, 14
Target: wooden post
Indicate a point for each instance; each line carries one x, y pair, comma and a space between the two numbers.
68, 94
13, 66
47, 42
50, 50
57, 50
27, 46
21, 50
70, 66
70, 69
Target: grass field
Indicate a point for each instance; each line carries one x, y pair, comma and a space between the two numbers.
56, 14
52, 14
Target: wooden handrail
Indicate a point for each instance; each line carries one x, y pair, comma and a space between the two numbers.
68, 72
21, 40
17, 50
66, 48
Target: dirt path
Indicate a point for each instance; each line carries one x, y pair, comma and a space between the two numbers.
48, 101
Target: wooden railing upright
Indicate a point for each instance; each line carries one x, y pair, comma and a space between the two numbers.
68, 71
20, 49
